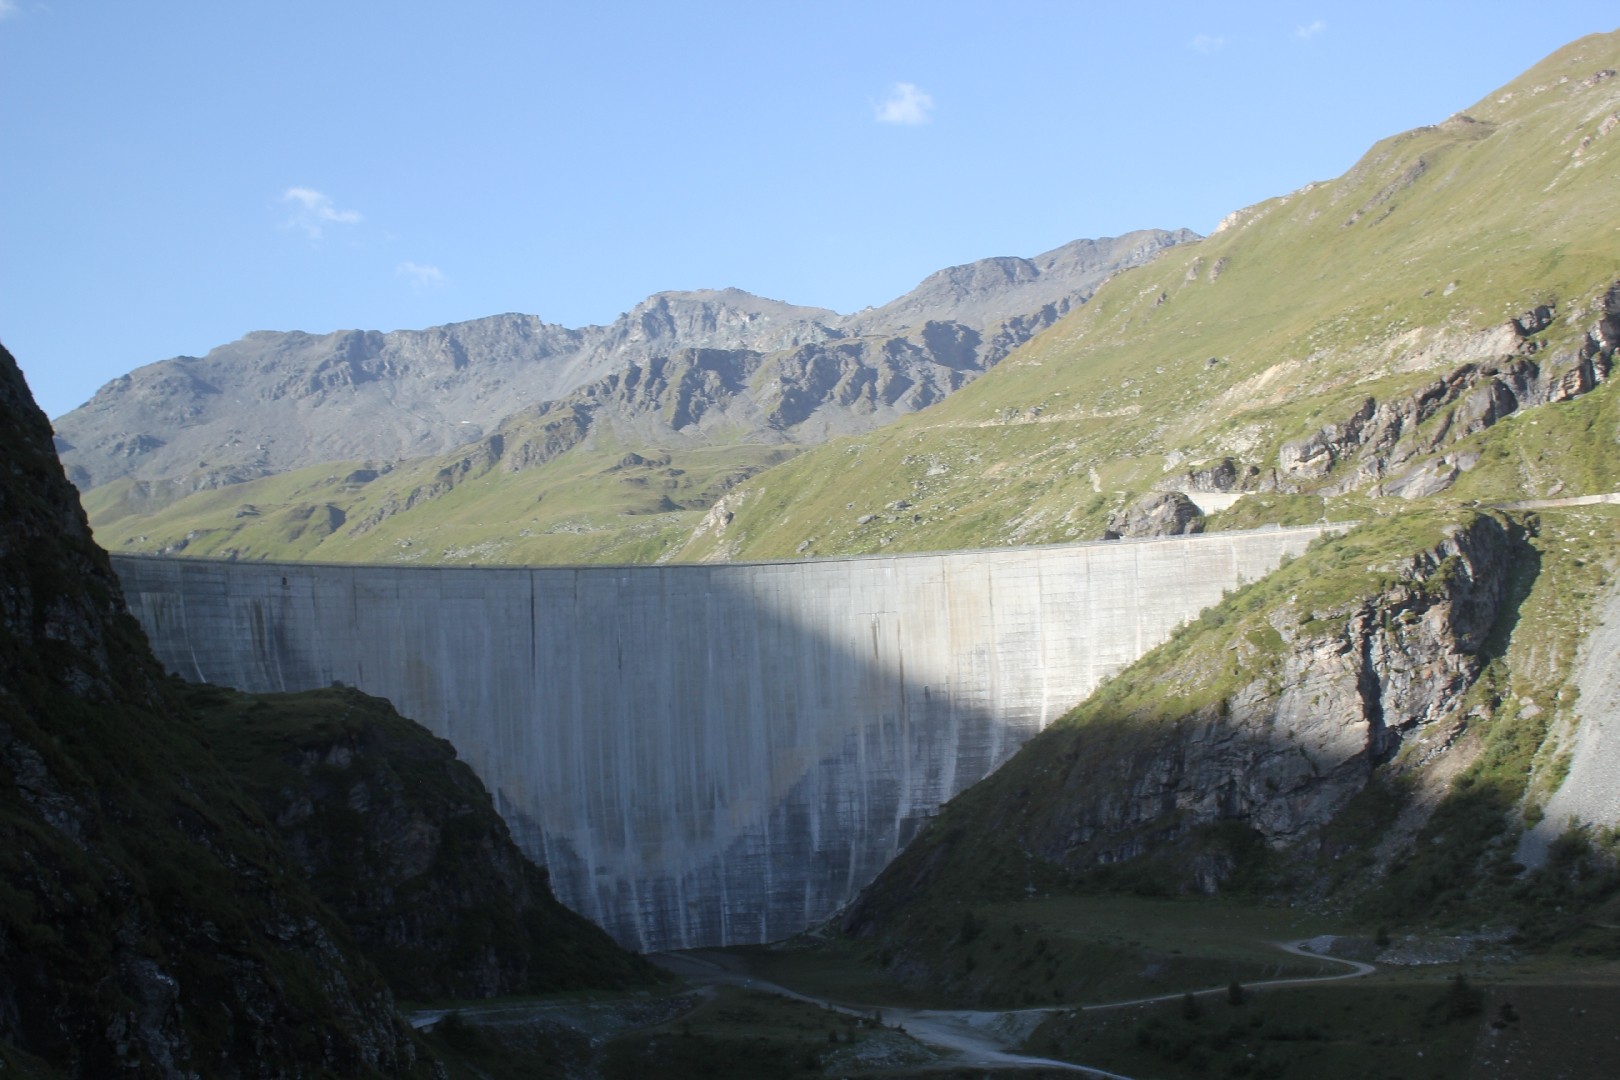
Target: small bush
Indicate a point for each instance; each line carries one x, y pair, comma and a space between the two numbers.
1462, 1000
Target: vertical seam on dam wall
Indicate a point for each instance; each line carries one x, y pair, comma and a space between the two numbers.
708, 754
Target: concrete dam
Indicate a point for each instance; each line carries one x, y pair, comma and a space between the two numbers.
707, 754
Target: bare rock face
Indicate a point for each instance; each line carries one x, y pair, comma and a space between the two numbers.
1157, 514
1285, 752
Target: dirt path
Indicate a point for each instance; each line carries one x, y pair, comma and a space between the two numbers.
1357, 970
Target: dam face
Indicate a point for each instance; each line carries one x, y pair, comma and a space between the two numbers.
707, 754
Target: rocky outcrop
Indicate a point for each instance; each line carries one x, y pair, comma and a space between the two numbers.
1223, 476
187, 873
1402, 446
1384, 448
150, 923
400, 839
1167, 514
1332, 700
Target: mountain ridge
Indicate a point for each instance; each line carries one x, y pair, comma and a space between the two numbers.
274, 401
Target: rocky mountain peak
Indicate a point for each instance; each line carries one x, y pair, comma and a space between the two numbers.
978, 277
718, 319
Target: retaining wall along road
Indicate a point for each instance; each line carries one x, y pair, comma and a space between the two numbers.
707, 754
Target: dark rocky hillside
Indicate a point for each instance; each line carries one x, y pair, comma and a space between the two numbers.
150, 923
154, 922
400, 839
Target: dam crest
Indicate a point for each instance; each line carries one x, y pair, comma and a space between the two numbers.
708, 754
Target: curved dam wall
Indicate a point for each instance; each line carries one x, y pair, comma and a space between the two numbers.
707, 754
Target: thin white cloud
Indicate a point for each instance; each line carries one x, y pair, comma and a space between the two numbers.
1305, 33
1208, 44
8, 8
313, 211
907, 104
422, 277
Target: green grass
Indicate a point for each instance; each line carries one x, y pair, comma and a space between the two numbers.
1406, 1028
470, 1051
748, 1034
1057, 950
1559, 451
587, 505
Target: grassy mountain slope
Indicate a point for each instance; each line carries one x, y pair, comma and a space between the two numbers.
1286, 320
604, 504
1352, 341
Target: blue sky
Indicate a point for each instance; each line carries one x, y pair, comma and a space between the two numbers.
174, 175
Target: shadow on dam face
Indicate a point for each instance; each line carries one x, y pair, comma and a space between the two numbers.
707, 754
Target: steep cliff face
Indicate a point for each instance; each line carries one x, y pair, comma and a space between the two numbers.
399, 838
149, 923
1248, 738
1311, 709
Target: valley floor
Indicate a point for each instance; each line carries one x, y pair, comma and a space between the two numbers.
1421, 1004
